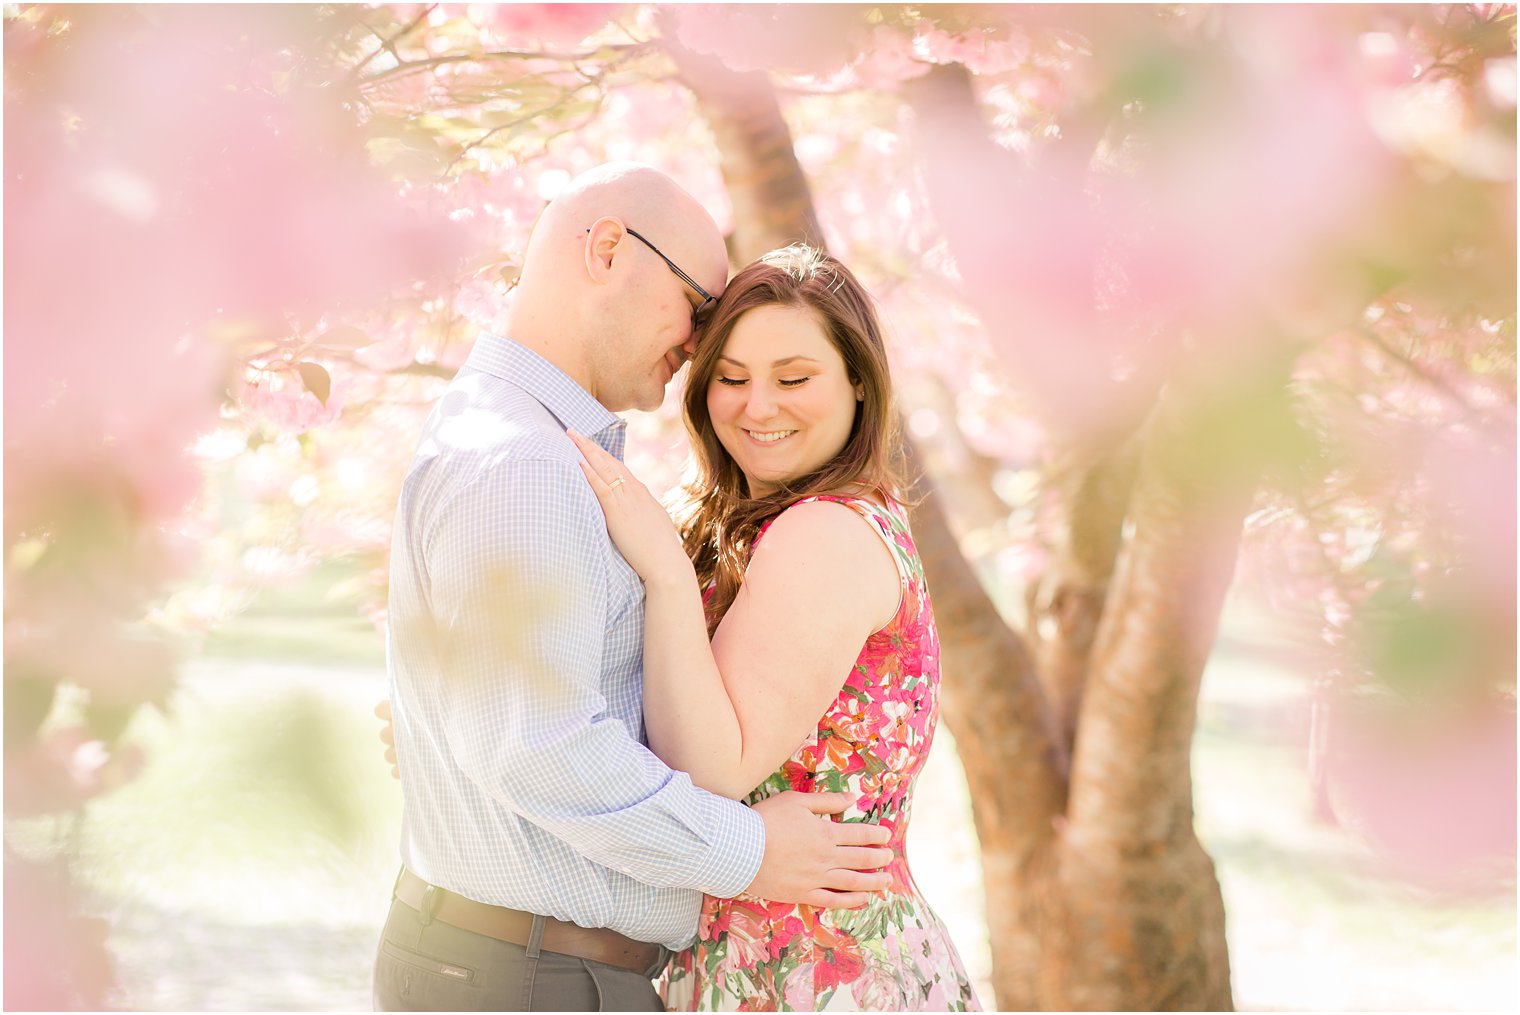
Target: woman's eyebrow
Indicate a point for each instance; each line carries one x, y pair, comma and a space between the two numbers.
778, 363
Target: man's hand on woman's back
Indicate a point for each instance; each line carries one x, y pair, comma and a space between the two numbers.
808, 859
813, 861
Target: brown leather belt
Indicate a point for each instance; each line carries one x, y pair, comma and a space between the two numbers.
514, 927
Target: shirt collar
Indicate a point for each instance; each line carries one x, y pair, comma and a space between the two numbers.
569, 403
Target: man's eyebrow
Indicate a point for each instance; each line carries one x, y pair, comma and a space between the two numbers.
778, 363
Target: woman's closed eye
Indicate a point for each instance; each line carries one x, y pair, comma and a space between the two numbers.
790, 382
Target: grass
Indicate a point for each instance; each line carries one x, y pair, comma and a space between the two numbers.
314, 621
248, 865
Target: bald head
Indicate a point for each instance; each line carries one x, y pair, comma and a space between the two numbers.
603, 303
646, 200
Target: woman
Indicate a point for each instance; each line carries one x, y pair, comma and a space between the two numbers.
822, 668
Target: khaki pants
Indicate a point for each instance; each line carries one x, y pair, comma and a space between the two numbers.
439, 967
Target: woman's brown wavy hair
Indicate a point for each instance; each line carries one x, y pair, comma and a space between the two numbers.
722, 519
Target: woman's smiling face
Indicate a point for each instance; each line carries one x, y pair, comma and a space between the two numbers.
781, 400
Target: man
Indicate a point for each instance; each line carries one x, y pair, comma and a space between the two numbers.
550, 859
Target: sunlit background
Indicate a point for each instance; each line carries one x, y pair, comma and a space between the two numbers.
1203, 326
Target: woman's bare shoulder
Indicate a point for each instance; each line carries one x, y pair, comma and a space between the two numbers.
837, 550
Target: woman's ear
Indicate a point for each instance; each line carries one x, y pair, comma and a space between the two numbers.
860, 392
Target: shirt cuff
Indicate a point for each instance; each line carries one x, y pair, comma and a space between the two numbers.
738, 846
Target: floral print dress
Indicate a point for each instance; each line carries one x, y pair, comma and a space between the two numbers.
894, 954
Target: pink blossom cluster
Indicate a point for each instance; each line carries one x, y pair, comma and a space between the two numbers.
557, 26
175, 185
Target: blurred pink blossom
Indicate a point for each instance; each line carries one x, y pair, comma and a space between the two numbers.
174, 183
64, 764
1022, 563
1085, 280
232, 202
117, 665
802, 38
1433, 795
985, 49
1388, 59
887, 60
1249, 204
265, 474
55, 959
231, 198
1499, 78
275, 566
1467, 480
557, 26
279, 400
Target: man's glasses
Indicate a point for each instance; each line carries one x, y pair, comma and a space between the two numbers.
699, 313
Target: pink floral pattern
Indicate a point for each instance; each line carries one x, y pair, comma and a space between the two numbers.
893, 955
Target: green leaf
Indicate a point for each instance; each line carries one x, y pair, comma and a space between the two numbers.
316, 379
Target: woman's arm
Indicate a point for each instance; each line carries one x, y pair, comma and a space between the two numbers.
819, 584
731, 711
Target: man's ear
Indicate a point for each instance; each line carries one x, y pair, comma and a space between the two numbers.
603, 242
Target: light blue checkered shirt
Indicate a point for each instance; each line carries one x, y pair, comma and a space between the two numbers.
515, 650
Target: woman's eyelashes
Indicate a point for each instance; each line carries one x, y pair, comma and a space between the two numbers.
791, 382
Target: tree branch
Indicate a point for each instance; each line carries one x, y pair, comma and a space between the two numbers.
1413, 366
416, 66
1073, 593
389, 45
593, 81
1132, 770
773, 205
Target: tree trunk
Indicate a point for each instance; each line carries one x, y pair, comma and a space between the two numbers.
772, 204
1066, 604
1139, 921
1115, 906
1009, 747
1145, 924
